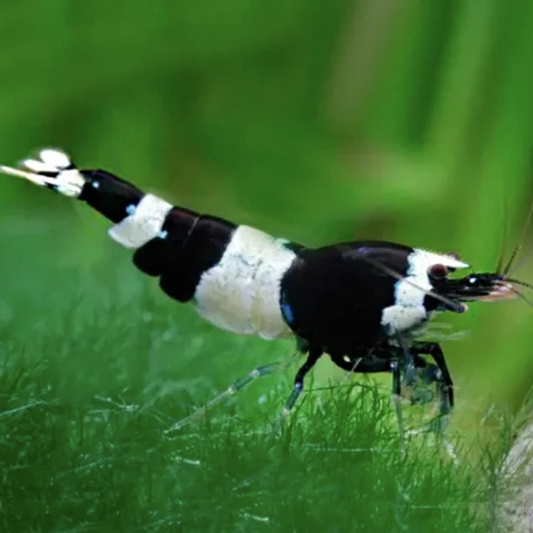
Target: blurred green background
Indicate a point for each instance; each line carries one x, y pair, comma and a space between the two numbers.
320, 122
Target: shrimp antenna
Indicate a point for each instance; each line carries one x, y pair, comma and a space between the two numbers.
518, 245
519, 282
523, 296
501, 255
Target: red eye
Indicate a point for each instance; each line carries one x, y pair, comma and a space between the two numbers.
437, 271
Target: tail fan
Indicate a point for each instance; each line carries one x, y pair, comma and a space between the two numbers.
51, 168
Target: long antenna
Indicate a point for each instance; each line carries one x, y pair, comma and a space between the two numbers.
518, 246
501, 255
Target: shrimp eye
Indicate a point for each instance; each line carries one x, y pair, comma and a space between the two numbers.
437, 271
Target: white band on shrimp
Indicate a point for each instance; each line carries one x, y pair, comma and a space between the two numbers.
143, 224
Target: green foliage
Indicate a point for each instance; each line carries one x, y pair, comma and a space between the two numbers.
95, 368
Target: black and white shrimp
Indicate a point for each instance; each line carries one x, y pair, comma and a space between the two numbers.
363, 303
